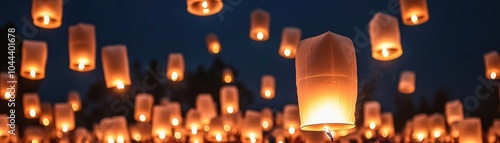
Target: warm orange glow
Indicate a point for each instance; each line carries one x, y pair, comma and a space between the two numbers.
177, 135
493, 75
291, 130
372, 125
385, 134
437, 134
120, 85
161, 135
32, 113
260, 22
120, 139
369, 135
137, 137
227, 128
64, 128
34, 59
46, 20
174, 76
218, 137
265, 124
34, 141
142, 118
46, 122
111, 140
260, 35
385, 53
287, 52
206, 128
215, 49
204, 7
7, 95
175, 121
81, 66
420, 137
385, 37
75, 107
414, 19
32, 73
228, 79
414, 12
194, 130
252, 138
115, 66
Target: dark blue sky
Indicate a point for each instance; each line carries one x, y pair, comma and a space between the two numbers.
446, 51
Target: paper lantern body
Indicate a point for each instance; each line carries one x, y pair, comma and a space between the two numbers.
34, 59
387, 126
268, 87
290, 38
161, 126
6, 90
64, 117
33, 134
437, 125
206, 106
279, 119
227, 75
204, 7
372, 114
327, 82
414, 12
175, 113
407, 82
115, 66
291, 119
47, 13
143, 107
266, 120
259, 26
454, 111
119, 131
229, 99
74, 100
213, 44
175, 67
46, 118
193, 121
470, 131
385, 37
82, 47
492, 64
251, 129
31, 105
420, 126
217, 133
4, 128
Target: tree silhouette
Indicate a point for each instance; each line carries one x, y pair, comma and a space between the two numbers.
423, 107
366, 90
404, 111
440, 99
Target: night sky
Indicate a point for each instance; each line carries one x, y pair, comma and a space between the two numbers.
447, 51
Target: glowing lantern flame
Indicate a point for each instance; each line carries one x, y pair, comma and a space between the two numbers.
252, 137
287, 52
7, 95
228, 79
420, 137
32, 113
267, 93
437, 134
385, 53
46, 19
46, 122
137, 137
385, 134
291, 130
120, 85
205, 7
120, 139
177, 135
218, 137
229, 109
260, 35
194, 130
206, 128
368, 135
227, 128
265, 124
175, 121
111, 140
81, 66
372, 125
493, 75
215, 49
161, 135
174, 76
142, 118
74, 106
64, 129
32, 73
34, 141
414, 19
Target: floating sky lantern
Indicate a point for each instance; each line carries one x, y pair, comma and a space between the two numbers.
47, 114
437, 126
326, 82
268, 85
161, 128
251, 131
204, 7
291, 119
33, 134
385, 37
266, 120
217, 133
74, 100
175, 113
227, 75
193, 121
213, 44
259, 25
454, 111
229, 99
206, 106
175, 67
414, 12
278, 134
82, 47
31, 105
290, 38
6, 91
64, 117
4, 128
420, 127
371, 114
115, 66
407, 82
47, 13
387, 126
34, 59
470, 131
117, 130
492, 64
143, 107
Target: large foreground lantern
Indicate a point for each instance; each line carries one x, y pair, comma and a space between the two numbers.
175, 67
268, 85
31, 105
204, 7
454, 111
385, 37
327, 82
46, 118
470, 131
82, 47
64, 117
34, 59
227, 75
371, 114
207, 108
492, 64
259, 26
250, 130
407, 82
290, 38
213, 43
7, 84
229, 100
387, 126
47, 13
75, 101
414, 12
143, 107
115, 66
161, 128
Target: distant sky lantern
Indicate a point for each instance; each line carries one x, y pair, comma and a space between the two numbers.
64, 117
251, 132
143, 107
291, 119
47, 13
5, 86
227, 75
82, 47
213, 44
217, 133
204, 7
175, 113
115, 66
259, 25
268, 87
175, 67
470, 131
327, 82
387, 126
119, 130
454, 111
414, 12
74, 100
206, 106
290, 38
278, 134
492, 64
372, 118
47, 114
161, 127
4, 129
407, 82
437, 125
420, 127
34, 59
33, 134
229, 99
385, 37
31, 105
266, 120
193, 121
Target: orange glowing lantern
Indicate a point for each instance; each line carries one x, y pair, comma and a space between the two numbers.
4, 128
46, 118
437, 125
227, 75
204, 7
64, 117
470, 131
387, 126
213, 43
291, 119
268, 85
143, 106
198, 138
161, 128
206, 106
193, 121
385, 37
74, 100
33, 134
82, 47
454, 111
372, 114
115, 66
31, 105
278, 135
407, 82
82, 135
414, 12
492, 64
250, 130
259, 26
175, 67
289, 40
175, 113
266, 120
420, 127
117, 130
217, 133
8, 85
34, 59
279, 119
47, 13
229, 99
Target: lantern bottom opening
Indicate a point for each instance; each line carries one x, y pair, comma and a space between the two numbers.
331, 126
42, 22
390, 53
204, 7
